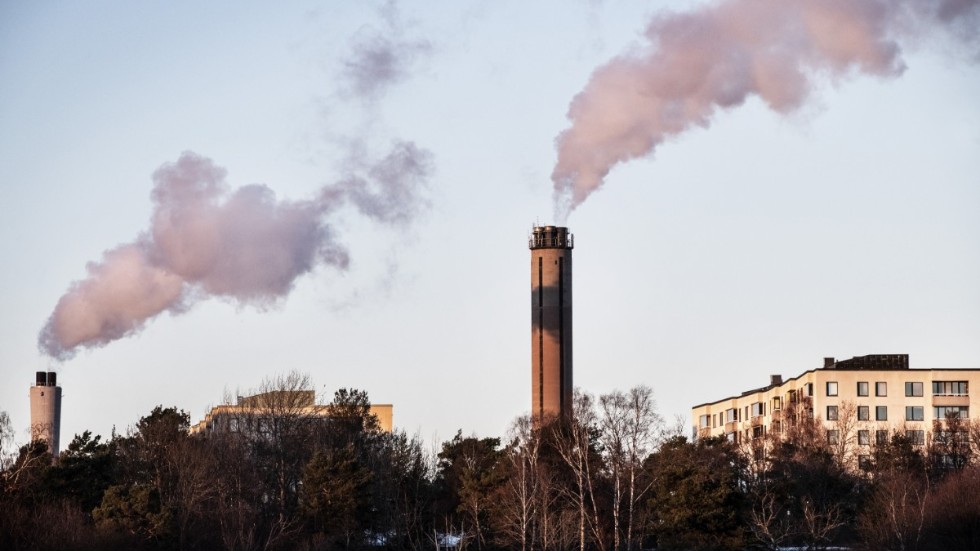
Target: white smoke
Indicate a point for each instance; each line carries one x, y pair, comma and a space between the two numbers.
719, 55
381, 57
207, 240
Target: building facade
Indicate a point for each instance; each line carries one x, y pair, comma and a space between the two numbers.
46, 410
253, 411
857, 402
551, 321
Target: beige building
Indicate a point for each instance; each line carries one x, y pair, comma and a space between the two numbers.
256, 410
867, 397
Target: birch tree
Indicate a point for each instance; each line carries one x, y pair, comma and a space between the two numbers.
630, 424
574, 444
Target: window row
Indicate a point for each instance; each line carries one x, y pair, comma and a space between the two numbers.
864, 413
912, 388
912, 413
916, 437
950, 388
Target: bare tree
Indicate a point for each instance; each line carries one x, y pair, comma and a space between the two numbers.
239, 490
277, 424
519, 509
768, 516
7, 454
615, 418
552, 527
801, 427
895, 515
820, 520
950, 444
573, 441
845, 426
630, 425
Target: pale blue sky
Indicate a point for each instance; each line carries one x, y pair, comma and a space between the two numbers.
756, 246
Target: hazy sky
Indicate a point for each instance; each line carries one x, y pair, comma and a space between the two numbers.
757, 239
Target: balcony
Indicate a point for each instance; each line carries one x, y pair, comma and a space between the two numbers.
950, 400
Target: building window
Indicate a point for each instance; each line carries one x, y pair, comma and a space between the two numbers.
913, 413
947, 412
864, 438
703, 421
775, 403
831, 388
864, 413
881, 437
881, 389
916, 437
233, 425
758, 409
833, 437
950, 388
759, 431
864, 462
831, 413
913, 389
862, 388
776, 427
881, 413
731, 415
960, 436
809, 389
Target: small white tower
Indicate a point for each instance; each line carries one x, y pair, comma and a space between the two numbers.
46, 410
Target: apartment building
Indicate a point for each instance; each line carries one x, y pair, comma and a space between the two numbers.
255, 412
877, 394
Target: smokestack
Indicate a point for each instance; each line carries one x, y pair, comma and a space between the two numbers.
551, 322
46, 410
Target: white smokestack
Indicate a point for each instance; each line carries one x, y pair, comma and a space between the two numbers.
717, 56
46, 411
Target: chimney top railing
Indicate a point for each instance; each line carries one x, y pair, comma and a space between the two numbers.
551, 237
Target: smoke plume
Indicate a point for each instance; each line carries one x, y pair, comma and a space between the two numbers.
207, 240
719, 55
380, 58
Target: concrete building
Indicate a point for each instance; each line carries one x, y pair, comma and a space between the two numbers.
551, 321
875, 394
255, 410
46, 410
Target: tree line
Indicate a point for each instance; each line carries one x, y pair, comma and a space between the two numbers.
614, 476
